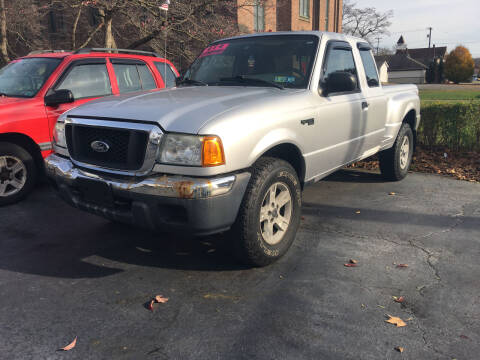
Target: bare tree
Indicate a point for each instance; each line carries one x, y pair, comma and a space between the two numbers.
367, 22
3, 32
20, 27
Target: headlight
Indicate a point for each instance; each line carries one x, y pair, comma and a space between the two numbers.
191, 150
59, 134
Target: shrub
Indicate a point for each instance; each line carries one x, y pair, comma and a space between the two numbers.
454, 125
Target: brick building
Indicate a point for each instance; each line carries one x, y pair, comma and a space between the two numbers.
289, 15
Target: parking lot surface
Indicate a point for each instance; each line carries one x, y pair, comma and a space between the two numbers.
67, 274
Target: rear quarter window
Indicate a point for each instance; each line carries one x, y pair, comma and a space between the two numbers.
166, 73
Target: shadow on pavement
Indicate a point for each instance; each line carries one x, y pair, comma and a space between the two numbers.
44, 236
355, 176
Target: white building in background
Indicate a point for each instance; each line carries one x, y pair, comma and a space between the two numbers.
382, 67
402, 68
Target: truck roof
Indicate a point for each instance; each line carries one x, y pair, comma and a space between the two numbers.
332, 35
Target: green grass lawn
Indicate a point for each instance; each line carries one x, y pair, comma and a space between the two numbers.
462, 95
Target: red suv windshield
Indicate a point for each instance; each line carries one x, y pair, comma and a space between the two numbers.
25, 77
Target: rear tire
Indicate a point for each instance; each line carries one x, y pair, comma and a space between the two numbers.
18, 173
395, 162
269, 215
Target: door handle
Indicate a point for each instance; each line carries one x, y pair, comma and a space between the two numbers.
308, 122
365, 105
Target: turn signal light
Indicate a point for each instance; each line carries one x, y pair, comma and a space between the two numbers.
212, 153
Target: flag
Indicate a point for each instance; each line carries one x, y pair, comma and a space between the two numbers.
165, 5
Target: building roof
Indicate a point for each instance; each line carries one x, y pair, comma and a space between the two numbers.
426, 55
380, 60
400, 62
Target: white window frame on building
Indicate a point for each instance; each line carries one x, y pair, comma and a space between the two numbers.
304, 10
258, 16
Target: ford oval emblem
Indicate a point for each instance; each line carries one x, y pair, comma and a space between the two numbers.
100, 146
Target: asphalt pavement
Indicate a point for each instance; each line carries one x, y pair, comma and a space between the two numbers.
67, 274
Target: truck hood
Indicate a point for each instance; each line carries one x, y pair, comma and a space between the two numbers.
184, 109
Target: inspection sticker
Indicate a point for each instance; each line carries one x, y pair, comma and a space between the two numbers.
285, 79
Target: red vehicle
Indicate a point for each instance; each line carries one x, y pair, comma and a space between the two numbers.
36, 89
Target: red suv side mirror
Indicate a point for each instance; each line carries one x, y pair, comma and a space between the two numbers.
58, 97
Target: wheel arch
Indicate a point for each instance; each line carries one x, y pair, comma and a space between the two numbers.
27, 143
291, 154
411, 119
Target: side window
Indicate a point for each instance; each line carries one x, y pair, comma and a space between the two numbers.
166, 73
370, 67
339, 59
133, 77
146, 77
87, 80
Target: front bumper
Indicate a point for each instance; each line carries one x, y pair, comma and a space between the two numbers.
162, 202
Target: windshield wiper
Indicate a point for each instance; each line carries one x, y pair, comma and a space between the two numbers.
188, 81
246, 80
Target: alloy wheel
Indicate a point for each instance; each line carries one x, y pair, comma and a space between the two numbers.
13, 175
276, 213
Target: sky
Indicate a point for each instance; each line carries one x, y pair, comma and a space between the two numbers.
454, 22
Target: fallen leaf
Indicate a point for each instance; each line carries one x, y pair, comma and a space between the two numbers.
350, 265
392, 194
409, 319
396, 321
161, 299
381, 307
400, 349
400, 299
150, 305
464, 337
357, 212
402, 265
352, 261
70, 346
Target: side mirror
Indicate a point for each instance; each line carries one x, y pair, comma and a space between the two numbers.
373, 82
58, 97
178, 80
340, 81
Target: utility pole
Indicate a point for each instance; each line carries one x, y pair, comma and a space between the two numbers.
429, 37
378, 44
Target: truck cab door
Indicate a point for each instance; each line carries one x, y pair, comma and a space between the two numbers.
338, 125
375, 104
87, 79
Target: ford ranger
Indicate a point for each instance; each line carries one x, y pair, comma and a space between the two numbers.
252, 121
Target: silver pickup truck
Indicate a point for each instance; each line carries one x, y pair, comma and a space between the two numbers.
230, 148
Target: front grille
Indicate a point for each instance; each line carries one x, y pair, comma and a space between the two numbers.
126, 147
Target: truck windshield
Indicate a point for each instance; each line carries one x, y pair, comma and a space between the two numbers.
25, 77
273, 60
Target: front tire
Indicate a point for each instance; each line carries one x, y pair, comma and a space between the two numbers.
18, 173
395, 162
269, 216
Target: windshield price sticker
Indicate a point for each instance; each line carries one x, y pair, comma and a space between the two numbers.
214, 50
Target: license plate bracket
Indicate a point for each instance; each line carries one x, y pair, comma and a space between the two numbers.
96, 192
